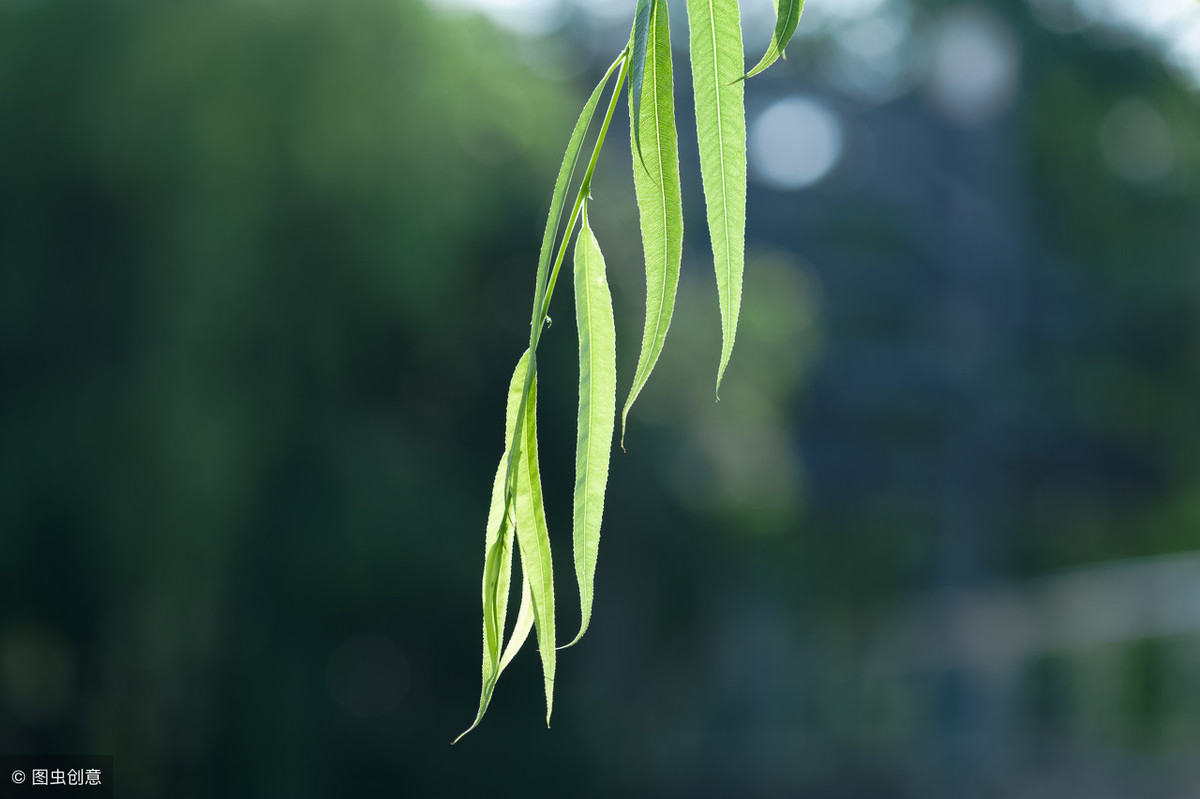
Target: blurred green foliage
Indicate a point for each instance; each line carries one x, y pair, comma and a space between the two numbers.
259, 261
254, 255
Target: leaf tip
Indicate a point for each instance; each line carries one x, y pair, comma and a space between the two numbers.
720, 377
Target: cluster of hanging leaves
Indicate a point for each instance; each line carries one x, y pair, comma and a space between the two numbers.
517, 519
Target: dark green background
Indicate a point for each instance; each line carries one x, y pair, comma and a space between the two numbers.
265, 268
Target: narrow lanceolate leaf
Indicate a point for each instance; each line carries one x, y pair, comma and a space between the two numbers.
597, 408
639, 37
656, 180
550, 235
787, 16
522, 627
721, 130
533, 538
558, 199
498, 548
716, 42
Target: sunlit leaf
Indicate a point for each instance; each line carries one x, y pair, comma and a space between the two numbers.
498, 550
558, 199
716, 48
545, 280
656, 181
517, 493
597, 408
637, 62
517, 510
787, 16
533, 538
523, 625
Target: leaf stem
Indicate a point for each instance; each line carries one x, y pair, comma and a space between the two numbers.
585, 187
539, 290
543, 294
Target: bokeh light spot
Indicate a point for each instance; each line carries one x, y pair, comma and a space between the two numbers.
1136, 142
974, 66
795, 143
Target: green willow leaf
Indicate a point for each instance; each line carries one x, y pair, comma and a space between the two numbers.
639, 37
597, 408
498, 549
558, 199
533, 538
518, 489
544, 284
716, 44
660, 204
522, 627
516, 518
787, 16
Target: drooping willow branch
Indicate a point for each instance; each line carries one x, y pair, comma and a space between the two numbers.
516, 511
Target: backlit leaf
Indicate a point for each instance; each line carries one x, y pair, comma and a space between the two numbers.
533, 538
716, 49
558, 200
522, 627
498, 547
656, 181
597, 408
545, 281
637, 62
787, 16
